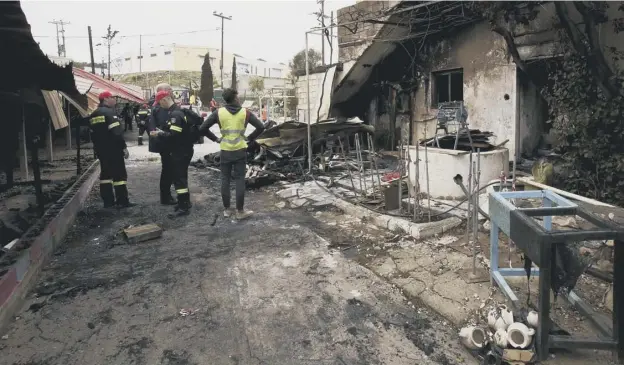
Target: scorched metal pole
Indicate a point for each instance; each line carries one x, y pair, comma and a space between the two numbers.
307, 70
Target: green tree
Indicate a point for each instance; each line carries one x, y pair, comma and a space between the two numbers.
256, 85
297, 64
234, 80
206, 91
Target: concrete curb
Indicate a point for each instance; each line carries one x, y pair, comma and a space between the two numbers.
42, 239
416, 230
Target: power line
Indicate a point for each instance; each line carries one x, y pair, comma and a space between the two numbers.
137, 35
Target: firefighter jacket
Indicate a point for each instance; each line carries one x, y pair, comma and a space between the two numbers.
177, 135
143, 116
106, 131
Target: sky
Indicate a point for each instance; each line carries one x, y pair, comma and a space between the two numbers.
271, 30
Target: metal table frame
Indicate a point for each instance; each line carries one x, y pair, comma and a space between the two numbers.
539, 245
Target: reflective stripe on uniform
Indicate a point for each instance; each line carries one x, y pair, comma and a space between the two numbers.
232, 129
119, 183
106, 181
113, 125
97, 120
182, 191
143, 112
175, 128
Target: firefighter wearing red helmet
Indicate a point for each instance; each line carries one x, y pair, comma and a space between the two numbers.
111, 150
142, 118
177, 139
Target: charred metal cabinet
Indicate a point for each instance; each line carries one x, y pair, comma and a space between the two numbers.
538, 243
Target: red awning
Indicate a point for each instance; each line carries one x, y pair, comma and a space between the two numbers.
117, 89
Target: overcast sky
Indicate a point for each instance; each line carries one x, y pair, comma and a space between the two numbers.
272, 30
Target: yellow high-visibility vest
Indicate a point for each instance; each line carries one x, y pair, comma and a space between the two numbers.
232, 129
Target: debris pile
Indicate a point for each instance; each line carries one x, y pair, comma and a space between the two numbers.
479, 139
281, 151
508, 339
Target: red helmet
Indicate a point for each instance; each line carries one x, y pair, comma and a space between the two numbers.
104, 95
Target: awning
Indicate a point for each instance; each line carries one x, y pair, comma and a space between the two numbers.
117, 89
92, 85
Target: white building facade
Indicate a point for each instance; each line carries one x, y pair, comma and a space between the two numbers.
175, 57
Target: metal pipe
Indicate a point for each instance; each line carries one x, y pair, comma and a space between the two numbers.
460, 183
372, 147
309, 116
357, 158
417, 180
344, 156
469, 201
427, 177
358, 146
407, 173
476, 215
370, 160
400, 182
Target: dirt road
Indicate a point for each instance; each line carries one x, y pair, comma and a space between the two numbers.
269, 290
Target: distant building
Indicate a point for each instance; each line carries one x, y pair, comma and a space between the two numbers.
175, 57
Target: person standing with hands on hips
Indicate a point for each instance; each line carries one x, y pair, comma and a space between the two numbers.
232, 120
177, 138
110, 147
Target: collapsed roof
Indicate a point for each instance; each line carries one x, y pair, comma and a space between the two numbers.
23, 64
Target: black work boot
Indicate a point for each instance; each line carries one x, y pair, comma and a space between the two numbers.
184, 206
107, 194
167, 199
121, 192
140, 141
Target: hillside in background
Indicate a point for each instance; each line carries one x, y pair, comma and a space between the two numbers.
149, 80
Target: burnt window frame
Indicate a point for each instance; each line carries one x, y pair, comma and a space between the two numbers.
434, 89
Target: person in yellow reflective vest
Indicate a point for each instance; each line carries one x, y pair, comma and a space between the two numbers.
178, 140
110, 147
232, 120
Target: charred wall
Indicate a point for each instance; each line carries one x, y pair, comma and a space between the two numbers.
487, 84
353, 39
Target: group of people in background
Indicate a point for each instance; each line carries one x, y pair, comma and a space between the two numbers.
172, 133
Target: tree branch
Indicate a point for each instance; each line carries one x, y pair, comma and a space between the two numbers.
513, 50
578, 42
595, 50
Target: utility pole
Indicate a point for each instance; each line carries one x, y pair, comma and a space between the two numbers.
91, 51
323, 24
110, 34
140, 52
60, 33
223, 17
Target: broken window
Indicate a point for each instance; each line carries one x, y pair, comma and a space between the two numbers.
448, 86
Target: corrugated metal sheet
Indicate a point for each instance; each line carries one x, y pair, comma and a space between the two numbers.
83, 85
55, 108
117, 89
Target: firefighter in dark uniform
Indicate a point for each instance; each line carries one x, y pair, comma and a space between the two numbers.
110, 147
142, 118
177, 138
158, 120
